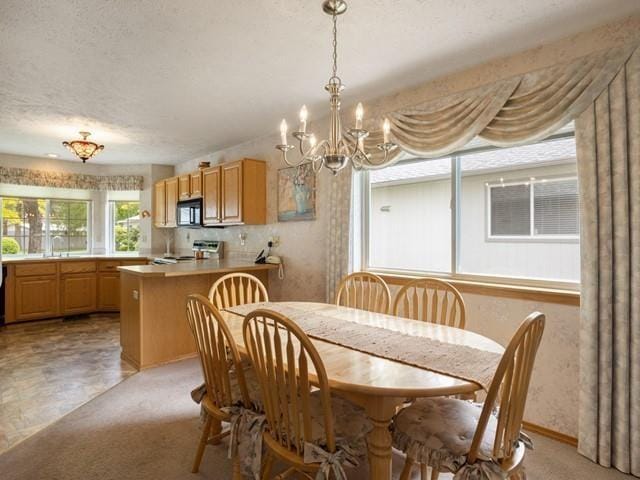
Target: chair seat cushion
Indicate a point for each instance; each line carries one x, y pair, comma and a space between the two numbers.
351, 424
439, 432
199, 393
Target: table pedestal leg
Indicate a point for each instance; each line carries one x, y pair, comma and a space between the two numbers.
380, 411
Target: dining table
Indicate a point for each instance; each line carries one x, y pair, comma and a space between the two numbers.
380, 385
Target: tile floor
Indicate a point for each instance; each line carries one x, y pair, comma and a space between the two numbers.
47, 369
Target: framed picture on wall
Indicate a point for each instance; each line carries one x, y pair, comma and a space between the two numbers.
296, 193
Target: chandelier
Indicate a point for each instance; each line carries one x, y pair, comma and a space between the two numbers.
335, 152
84, 149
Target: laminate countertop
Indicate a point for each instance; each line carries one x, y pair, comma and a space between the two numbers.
197, 267
72, 258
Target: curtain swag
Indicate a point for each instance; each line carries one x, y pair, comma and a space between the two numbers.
511, 112
40, 178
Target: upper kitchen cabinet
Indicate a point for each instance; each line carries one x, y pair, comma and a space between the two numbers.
190, 185
165, 202
235, 193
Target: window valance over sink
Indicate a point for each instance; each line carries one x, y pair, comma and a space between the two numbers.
41, 178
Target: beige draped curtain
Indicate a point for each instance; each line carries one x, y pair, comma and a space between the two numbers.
525, 109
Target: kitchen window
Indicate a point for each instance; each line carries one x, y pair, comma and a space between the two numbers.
37, 226
124, 226
508, 215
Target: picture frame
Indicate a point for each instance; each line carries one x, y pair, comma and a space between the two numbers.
296, 193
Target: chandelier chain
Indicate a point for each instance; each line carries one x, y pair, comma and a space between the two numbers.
335, 45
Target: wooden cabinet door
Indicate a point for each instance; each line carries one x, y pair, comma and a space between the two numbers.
36, 297
108, 291
159, 204
196, 184
171, 186
211, 196
78, 293
184, 187
232, 192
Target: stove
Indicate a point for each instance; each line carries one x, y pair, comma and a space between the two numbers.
202, 249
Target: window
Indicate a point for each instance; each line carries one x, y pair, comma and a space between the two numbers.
481, 213
38, 225
124, 226
536, 208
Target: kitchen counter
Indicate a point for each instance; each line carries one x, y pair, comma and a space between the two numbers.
34, 259
153, 321
197, 267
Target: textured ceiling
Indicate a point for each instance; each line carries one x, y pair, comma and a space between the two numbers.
160, 81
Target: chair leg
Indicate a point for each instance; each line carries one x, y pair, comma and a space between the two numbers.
434, 474
203, 443
406, 470
266, 468
423, 471
216, 431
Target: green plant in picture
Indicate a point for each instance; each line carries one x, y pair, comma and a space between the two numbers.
10, 246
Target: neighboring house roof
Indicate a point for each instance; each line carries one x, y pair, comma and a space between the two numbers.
415, 169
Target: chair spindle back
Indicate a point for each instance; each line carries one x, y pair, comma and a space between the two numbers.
217, 351
283, 357
509, 389
237, 289
431, 300
365, 291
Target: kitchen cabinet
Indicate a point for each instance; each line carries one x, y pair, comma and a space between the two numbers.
36, 297
165, 201
37, 289
108, 291
235, 193
159, 204
211, 196
171, 192
184, 187
78, 293
196, 184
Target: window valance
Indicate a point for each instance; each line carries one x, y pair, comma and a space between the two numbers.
41, 178
518, 110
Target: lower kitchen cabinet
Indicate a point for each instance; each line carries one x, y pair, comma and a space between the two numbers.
36, 297
47, 289
108, 291
78, 293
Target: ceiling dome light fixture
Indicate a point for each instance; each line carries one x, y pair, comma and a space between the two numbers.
337, 151
84, 149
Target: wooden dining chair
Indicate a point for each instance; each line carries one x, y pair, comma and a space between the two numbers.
470, 436
237, 289
226, 384
297, 412
431, 300
365, 291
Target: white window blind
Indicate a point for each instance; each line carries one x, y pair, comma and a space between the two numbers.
556, 208
510, 210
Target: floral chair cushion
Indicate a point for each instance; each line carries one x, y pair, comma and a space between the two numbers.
351, 425
439, 432
198, 393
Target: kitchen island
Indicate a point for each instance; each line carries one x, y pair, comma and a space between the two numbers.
153, 321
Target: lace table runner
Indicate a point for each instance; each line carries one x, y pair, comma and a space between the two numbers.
325, 322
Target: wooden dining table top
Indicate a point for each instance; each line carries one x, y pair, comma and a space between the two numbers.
354, 371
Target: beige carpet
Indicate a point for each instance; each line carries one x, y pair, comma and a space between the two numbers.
147, 427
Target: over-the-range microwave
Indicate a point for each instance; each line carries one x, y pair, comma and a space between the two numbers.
189, 213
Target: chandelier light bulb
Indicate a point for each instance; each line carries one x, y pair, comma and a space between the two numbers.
283, 132
312, 141
303, 118
386, 129
359, 115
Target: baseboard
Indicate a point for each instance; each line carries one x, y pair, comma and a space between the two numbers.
547, 432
